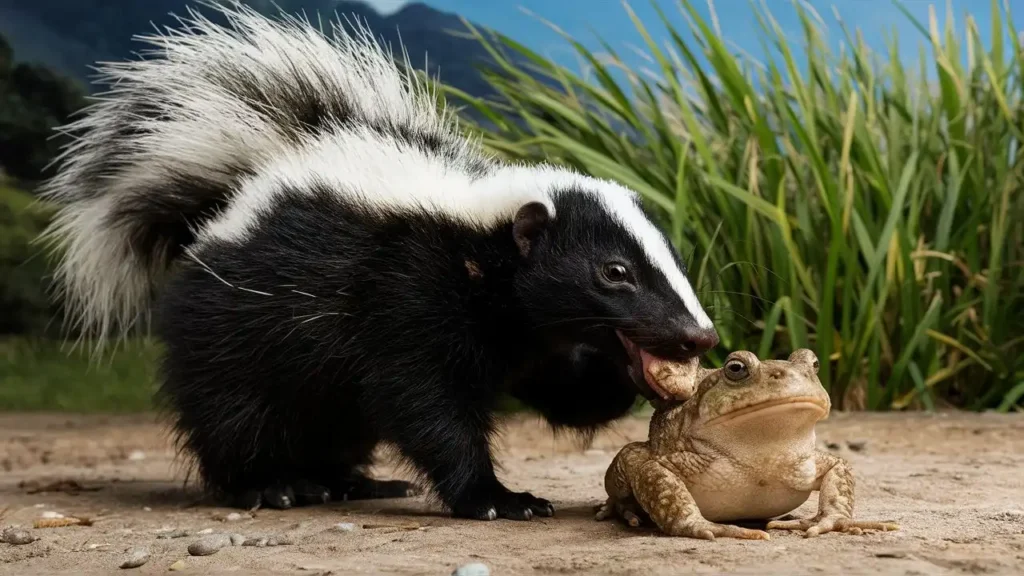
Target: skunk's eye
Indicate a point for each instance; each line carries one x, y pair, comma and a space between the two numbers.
615, 273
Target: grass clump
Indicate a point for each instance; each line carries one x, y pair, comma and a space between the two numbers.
45, 374
839, 201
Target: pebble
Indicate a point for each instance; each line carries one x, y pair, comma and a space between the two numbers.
474, 569
51, 514
857, 445
892, 554
205, 531
178, 566
179, 533
258, 542
1009, 516
233, 517
237, 539
279, 541
137, 455
17, 537
344, 526
135, 558
209, 545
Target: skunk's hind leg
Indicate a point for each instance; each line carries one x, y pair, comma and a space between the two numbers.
359, 486
343, 470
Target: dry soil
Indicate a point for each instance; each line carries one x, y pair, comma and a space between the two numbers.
954, 482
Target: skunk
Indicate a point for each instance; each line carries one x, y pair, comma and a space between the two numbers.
332, 266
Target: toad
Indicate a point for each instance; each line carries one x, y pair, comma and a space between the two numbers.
742, 447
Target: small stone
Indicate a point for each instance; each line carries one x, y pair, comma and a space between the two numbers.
178, 566
1009, 516
50, 514
209, 545
17, 537
233, 517
258, 542
891, 554
179, 533
147, 509
344, 527
205, 531
857, 445
279, 541
474, 569
135, 558
137, 455
237, 539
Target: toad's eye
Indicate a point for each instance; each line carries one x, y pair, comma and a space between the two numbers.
615, 273
736, 370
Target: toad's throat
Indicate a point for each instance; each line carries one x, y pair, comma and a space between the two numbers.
776, 405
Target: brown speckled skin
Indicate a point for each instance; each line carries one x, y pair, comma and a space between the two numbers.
741, 448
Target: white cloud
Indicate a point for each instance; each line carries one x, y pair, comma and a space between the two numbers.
386, 6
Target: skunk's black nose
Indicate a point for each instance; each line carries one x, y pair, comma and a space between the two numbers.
697, 341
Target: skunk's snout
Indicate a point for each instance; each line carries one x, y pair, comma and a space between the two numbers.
695, 340
680, 341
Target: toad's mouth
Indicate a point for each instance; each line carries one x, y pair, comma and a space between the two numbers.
810, 403
639, 362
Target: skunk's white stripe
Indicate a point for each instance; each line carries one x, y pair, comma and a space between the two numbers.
377, 171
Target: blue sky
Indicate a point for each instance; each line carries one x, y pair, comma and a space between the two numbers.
608, 19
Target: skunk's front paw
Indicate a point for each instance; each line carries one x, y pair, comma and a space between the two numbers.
503, 504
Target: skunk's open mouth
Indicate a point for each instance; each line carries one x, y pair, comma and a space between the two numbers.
639, 362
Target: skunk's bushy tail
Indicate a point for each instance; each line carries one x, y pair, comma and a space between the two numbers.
168, 145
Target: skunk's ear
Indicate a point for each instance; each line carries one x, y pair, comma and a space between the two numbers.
530, 223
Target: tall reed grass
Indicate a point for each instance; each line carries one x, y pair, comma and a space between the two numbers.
842, 200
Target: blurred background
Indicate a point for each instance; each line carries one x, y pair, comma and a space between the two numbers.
843, 175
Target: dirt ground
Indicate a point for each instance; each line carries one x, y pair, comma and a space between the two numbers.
954, 482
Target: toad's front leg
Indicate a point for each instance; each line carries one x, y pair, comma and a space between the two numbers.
835, 503
665, 498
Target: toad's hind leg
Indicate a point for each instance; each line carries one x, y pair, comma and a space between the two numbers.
620, 502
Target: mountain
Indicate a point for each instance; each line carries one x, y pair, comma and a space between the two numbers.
70, 36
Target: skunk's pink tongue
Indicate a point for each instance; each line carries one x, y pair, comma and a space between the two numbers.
647, 359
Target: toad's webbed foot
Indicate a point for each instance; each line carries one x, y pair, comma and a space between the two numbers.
705, 530
818, 525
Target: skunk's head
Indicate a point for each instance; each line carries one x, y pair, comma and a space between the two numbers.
597, 271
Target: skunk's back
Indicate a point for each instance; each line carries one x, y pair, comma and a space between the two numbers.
164, 149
